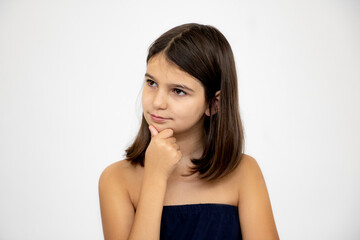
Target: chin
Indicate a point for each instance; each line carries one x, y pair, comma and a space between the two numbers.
161, 127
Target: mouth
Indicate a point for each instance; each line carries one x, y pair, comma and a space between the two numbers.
156, 118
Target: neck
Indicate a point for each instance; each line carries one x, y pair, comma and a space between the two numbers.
191, 146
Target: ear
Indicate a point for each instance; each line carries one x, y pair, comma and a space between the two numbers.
215, 105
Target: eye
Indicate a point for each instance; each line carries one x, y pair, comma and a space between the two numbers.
150, 82
179, 92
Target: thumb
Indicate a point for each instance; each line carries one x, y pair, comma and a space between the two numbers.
153, 130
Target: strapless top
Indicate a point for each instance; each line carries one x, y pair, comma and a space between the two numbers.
200, 221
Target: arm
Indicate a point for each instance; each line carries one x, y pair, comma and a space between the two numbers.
148, 214
255, 213
117, 211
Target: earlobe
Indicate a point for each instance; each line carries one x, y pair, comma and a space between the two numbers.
215, 105
207, 112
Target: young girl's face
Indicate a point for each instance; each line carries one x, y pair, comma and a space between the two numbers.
172, 98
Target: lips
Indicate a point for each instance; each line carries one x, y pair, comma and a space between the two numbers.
153, 115
159, 119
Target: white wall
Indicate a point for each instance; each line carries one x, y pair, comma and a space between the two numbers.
70, 77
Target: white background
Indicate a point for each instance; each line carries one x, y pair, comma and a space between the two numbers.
70, 81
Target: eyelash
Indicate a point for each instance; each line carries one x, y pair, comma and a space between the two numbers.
175, 89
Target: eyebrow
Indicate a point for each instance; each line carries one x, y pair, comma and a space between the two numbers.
172, 85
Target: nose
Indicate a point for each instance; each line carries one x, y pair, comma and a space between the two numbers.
160, 100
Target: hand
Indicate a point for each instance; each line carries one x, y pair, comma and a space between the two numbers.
162, 154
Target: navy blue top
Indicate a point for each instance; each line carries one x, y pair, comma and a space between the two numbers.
200, 221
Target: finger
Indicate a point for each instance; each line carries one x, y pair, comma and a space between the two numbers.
166, 133
179, 154
153, 131
171, 140
175, 146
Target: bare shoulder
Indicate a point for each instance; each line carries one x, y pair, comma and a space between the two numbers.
248, 169
250, 179
247, 161
117, 211
118, 179
255, 212
116, 173
119, 166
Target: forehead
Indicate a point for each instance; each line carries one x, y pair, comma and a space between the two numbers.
165, 71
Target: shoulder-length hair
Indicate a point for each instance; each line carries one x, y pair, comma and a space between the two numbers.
203, 52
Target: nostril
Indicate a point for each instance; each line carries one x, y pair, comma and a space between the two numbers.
160, 101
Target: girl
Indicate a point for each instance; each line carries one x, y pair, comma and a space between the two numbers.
185, 176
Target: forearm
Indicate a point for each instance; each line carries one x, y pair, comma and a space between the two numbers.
149, 209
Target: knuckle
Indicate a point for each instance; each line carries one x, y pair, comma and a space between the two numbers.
169, 131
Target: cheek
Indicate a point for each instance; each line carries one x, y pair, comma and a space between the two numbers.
145, 99
189, 111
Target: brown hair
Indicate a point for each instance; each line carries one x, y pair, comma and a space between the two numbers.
203, 52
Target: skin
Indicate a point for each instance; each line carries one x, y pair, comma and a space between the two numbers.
124, 188
184, 109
